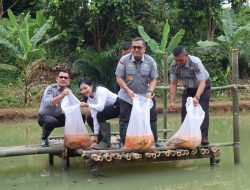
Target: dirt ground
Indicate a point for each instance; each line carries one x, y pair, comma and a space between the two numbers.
31, 113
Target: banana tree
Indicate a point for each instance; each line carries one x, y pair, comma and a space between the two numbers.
164, 49
26, 38
235, 37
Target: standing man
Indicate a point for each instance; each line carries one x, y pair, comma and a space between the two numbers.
126, 49
50, 113
136, 72
196, 82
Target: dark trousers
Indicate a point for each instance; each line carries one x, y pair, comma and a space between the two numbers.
48, 123
125, 112
204, 102
126, 108
109, 112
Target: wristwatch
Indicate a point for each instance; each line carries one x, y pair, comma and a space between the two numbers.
198, 97
152, 93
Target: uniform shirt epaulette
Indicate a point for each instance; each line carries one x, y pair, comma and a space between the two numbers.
54, 85
174, 64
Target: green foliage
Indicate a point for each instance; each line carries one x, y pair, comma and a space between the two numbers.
164, 49
9, 91
98, 65
199, 18
26, 38
8, 77
212, 60
97, 23
235, 37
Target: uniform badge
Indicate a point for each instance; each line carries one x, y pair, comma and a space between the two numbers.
197, 70
130, 77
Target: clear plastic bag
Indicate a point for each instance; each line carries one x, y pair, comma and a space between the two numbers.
75, 133
139, 135
189, 134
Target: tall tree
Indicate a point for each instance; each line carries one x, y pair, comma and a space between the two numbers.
197, 16
97, 23
1, 8
236, 4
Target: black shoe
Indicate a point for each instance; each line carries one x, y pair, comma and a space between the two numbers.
157, 145
44, 142
204, 142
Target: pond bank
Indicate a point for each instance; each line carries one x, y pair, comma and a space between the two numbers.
31, 113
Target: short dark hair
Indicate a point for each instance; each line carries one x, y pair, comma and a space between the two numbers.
63, 71
179, 50
126, 45
139, 39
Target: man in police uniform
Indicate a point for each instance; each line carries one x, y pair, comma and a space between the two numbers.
136, 73
196, 82
50, 113
126, 49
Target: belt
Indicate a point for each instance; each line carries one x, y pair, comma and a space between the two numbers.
208, 86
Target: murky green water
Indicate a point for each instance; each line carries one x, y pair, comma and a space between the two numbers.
33, 172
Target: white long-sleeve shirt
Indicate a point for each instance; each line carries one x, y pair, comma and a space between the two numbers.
102, 97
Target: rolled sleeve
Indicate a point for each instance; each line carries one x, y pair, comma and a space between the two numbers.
154, 71
120, 69
173, 76
200, 71
48, 96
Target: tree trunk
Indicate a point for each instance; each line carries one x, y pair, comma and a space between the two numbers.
1, 9
211, 29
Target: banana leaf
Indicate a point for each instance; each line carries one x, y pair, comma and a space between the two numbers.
164, 39
175, 40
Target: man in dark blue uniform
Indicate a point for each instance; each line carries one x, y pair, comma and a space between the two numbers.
50, 113
196, 81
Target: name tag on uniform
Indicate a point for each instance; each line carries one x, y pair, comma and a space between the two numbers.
130, 77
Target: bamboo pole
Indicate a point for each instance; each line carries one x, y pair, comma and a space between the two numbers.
88, 152
227, 87
186, 152
183, 152
127, 156
168, 153
107, 157
165, 82
207, 151
173, 153
236, 127
136, 156
194, 151
153, 155
29, 150
147, 155
202, 151
178, 153
158, 154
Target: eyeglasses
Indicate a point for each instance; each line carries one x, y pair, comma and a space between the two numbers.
137, 47
62, 77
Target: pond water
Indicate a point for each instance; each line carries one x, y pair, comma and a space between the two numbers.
33, 172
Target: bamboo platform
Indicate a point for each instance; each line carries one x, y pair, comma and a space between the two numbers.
115, 155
